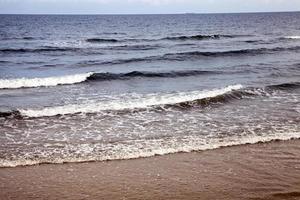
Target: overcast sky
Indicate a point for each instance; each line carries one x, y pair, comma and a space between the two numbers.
144, 6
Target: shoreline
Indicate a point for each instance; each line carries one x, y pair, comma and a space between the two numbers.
253, 171
220, 145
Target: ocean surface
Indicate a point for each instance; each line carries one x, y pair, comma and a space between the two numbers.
104, 87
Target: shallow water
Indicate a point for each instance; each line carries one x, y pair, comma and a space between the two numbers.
83, 88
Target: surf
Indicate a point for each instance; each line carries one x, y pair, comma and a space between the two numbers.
43, 82
135, 102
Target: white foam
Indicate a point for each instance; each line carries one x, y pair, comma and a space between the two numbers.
43, 82
136, 101
296, 37
152, 148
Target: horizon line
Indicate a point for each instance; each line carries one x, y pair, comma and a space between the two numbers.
181, 13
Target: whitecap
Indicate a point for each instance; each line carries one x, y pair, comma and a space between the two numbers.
131, 102
43, 82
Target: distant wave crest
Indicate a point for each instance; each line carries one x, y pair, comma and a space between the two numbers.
182, 56
295, 37
101, 40
199, 37
229, 53
42, 82
134, 74
93, 76
38, 50
174, 38
285, 86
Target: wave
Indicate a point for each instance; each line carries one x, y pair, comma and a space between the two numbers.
295, 37
132, 47
92, 76
181, 100
114, 33
235, 95
10, 114
175, 38
258, 41
28, 38
199, 37
182, 56
140, 102
101, 40
150, 148
42, 82
196, 54
38, 50
284, 86
218, 99
134, 74
21, 38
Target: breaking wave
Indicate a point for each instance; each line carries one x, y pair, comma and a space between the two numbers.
181, 100
136, 102
42, 82
91, 76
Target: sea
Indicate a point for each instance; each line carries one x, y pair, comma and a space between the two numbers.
81, 88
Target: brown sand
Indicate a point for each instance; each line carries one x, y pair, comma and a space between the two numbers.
260, 171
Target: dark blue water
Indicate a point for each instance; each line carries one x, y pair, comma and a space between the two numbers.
81, 88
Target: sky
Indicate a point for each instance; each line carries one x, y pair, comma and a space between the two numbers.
144, 6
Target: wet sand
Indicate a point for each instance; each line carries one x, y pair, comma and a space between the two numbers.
259, 171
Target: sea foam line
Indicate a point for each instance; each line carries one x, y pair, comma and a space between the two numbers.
192, 144
135, 102
43, 82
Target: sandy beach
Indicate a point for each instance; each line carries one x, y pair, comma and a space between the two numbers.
259, 171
